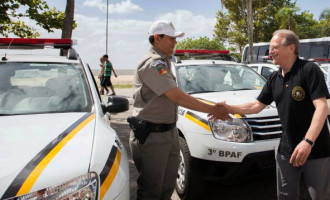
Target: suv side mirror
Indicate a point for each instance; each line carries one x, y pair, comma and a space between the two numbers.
115, 104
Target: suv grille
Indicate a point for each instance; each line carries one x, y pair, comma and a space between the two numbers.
265, 128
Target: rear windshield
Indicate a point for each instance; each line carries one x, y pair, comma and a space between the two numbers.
29, 88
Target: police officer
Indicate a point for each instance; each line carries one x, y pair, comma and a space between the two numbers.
154, 142
300, 94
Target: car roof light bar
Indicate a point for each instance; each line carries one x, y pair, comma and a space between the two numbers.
181, 52
59, 43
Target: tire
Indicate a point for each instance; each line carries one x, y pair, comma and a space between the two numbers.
189, 185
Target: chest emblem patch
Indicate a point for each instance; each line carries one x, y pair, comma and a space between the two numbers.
298, 93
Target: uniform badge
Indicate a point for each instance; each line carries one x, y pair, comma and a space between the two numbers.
160, 66
298, 93
161, 69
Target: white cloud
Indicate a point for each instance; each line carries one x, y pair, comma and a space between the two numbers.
193, 25
123, 7
128, 38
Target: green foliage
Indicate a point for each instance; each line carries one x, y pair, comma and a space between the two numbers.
306, 25
232, 27
200, 43
37, 10
325, 14
268, 16
286, 16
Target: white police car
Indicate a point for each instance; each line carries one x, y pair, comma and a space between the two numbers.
54, 139
220, 150
263, 68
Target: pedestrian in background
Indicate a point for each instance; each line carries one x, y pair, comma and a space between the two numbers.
300, 93
108, 69
155, 143
101, 77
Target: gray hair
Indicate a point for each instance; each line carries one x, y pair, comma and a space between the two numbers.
289, 38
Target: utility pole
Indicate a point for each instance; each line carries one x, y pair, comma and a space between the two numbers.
106, 45
250, 29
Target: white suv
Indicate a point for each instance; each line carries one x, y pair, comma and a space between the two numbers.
54, 139
221, 150
263, 68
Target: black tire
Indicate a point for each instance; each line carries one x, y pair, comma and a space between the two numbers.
189, 185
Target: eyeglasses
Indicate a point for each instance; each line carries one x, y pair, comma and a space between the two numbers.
277, 47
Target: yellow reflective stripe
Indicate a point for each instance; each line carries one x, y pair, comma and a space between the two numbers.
111, 176
207, 102
211, 103
238, 116
32, 178
206, 126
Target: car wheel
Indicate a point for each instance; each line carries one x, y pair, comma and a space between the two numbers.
189, 185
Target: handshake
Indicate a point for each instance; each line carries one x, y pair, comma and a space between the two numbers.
220, 111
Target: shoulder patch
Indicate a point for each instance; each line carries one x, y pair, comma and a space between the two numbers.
161, 69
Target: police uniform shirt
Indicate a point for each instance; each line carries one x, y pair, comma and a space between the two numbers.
294, 95
152, 79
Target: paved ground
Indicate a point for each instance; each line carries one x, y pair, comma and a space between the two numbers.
257, 189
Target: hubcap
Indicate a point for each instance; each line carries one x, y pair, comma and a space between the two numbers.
180, 180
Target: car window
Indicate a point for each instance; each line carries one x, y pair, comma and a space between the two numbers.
27, 88
217, 78
317, 51
255, 68
266, 71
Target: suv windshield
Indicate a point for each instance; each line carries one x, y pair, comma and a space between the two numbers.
217, 78
27, 88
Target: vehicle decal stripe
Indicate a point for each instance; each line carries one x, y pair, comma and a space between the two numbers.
25, 180
109, 171
198, 120
212, 103
206, 101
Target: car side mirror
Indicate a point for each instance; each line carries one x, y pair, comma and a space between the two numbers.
115, 104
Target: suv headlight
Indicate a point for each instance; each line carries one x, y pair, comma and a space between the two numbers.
235, 130
84, 187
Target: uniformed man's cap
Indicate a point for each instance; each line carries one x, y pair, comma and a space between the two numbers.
164, 27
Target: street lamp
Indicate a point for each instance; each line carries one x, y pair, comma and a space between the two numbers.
106, 43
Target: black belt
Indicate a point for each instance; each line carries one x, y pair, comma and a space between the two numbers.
152, 127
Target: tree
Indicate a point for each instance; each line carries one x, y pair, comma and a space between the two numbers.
324, 25
201, 43
236, 24
68, 23
37, 10
306, 25
286, 17
325, 14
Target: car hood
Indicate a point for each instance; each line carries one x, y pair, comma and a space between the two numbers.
56, 147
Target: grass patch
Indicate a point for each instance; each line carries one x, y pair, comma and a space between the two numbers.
125, 85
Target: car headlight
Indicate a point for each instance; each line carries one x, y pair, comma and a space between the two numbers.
84, 187
235, 130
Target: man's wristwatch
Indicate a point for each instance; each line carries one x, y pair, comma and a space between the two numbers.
309, 141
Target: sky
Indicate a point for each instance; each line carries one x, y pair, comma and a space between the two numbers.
129, 21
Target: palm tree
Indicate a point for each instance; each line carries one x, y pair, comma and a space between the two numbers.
286, 17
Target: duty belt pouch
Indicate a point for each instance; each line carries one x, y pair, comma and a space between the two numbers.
139, 128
